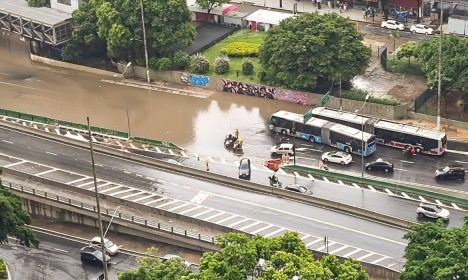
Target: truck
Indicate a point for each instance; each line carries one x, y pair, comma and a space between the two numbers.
458, 25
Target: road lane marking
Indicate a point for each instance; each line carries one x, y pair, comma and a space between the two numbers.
158, 150
133, 194
309, 218
133, 146
461, 161
200, 197
329, 244
371, 188
297, 174
306, 158
190, 210
275, 232
457, 152
422, 199
167, 203
110, 189
365, 256
6, 141
351, 253
171, 151
455, 206
339, 249
326, 179
120, 192
227, 219
238, 222
341, 183
263, 229
250, 225
389, 192
313, 242
399, 169
311, 177
406, 161
405, 195
144, 197
45, 172
356, 186
154, 201
177, 207
379, 260
15, 163
183, 154
60, 250
215, 215
438, 202
77, 180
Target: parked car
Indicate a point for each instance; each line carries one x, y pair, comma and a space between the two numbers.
93, 255
281, 149
422, 29
379, 165
244, 169
451, 172
432, 211
297, 188
392, 24
172, 256
111, 247
337, 157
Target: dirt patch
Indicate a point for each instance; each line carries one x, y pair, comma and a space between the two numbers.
455, 133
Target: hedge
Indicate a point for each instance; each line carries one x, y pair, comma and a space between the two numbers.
241, 49
3, 273
360, 95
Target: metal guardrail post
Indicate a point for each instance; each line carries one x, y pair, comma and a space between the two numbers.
199, 236
81, 204
185, 231
133, 219
159, 226
212, 239
146, 222
57, 198
172, 229
69, 201
120, 215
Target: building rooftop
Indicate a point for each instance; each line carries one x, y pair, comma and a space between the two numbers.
43, 15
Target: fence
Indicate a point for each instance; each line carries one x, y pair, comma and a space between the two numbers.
423, 98
44, 120
124, 217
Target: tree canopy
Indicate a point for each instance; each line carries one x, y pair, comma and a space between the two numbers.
118, 23
454, 61
13, 219
241, 257
210, 4
304, 50
435, 252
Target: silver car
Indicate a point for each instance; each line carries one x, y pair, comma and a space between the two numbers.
432, 211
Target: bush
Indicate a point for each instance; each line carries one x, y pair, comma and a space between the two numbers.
360, 95
247, 67
3, 273
261, 75
200, 64
222, 64
38, 3
241, 49
181, 60
161, 64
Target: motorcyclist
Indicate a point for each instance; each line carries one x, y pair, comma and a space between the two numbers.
413, 151
274, 181
238, 143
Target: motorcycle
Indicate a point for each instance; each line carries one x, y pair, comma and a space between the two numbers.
274, 182
229, 141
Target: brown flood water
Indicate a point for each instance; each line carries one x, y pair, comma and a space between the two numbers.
196, 123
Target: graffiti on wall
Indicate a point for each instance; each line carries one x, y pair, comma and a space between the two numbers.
194, 80
266, 92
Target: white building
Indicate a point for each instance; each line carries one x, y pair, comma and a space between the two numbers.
264, 19
67, 6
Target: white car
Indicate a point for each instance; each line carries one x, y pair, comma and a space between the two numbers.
281, 149
392, 24
337, 157
422, 29
432, 211
172, 256
111, 247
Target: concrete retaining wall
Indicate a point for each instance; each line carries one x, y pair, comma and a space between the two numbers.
71, 66
433, 119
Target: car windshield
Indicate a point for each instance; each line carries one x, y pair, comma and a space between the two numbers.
446, 169
302, 189
109, 243
437, 209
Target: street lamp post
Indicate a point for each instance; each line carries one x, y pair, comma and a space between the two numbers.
110, 222
144, 41
439, 85
362, 136
101, 234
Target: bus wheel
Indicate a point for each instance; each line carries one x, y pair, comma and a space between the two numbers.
312, 139
347, 149
418, 150
283, 131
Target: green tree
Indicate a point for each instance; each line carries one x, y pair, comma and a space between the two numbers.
435, 252
151, 267
118, 22
85, 40
39, 3
13, 219
210, 4
454, 61
302, 51
407, 50
284, 257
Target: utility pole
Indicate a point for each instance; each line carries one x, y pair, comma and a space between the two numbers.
101, 234
144, 41
439, 86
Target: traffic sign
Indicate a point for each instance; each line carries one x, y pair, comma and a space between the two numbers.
324, 100
307, 116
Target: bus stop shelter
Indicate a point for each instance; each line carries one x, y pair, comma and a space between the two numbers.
43, 24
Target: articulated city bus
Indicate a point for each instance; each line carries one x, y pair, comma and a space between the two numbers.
329, 133
389, 133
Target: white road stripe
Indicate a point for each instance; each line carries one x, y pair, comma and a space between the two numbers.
313, 242
199, 197
351, 253
457, 152
305, 236
379, 260
262, 229
46, 129
311, 177
339, 249
371, 188
177, 207
438, 202
461, 162
99, 186
60, 250
145, 197
405, 161
238, 222
111, 189
158, 150
57, 131
15, 163
389, 192
214, 216
341, 183
326, 179
275, 232
77, 180
150, 178
297, 174
183, 154
356, 186
153, 201
190, 210
202, 213
365, 256
146, 149
45, 172
171, 151
119, 192
422, 199
250, 225
226, 219
405, 195
6, 141
50, 153
133, 146
330, 243
133, 194
399, 169
84, 184
455, 206
167, 203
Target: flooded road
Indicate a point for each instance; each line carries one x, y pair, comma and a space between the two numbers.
199, 124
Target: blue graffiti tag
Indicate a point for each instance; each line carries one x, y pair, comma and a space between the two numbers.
199, 80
